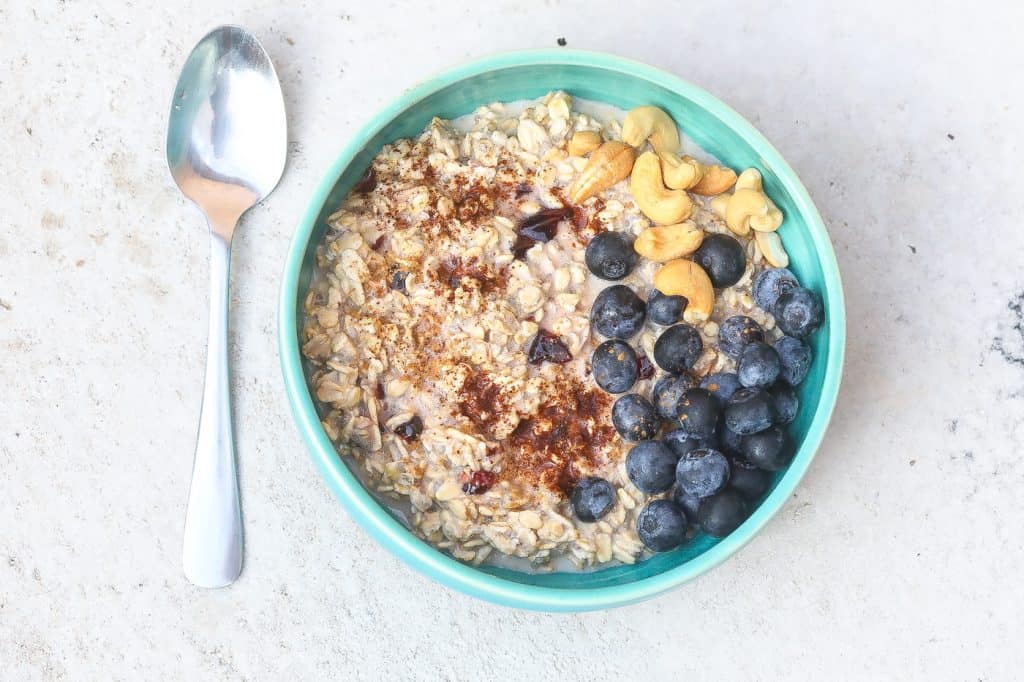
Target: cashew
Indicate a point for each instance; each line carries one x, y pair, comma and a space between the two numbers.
662, 205
685, 278
584, 142
608, 164
753, 209
747, 207
771, 246
669, 241
653, 124
750, 179
719, 204
681, 173
716, 179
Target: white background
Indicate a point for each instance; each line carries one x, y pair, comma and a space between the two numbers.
900, 556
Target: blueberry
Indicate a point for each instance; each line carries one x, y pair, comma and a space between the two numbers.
665, 310
682, 443
796, 357
678, 348
749, 410
397, 282
592, 498
723, 258
610, 255
767, 450
702, 472
759, 365
635, 418
618, 313
687, 503
736, 332
799, 312
770, 284
613, 366
661, 526
697, 413
721, 514
651, 466
410, 430
747, 479
728, 440
785, 401
721, 385
668, 391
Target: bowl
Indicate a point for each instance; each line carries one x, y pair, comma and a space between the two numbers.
626, 84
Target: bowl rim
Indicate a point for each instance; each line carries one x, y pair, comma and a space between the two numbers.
396, 537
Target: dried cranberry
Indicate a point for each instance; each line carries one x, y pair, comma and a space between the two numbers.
367, 182
522, 245
541, 227
644, 367
410, 430
547, 346
480, 482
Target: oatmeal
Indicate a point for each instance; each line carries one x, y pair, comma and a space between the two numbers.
449, 326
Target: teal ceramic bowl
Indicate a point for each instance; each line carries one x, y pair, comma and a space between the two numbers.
625, 84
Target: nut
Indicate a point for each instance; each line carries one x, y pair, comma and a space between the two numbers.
660, 204
668, 242
771, 247
716, 179
652, 124
748, 207
750, 179
681, 173
719, 204
608, 164
683, 277
584, 142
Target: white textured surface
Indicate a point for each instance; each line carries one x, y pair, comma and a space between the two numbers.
901, 554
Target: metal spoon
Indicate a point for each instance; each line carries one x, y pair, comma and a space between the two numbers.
226, 145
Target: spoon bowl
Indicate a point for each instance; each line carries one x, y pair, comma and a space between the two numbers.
227, 140
227, 132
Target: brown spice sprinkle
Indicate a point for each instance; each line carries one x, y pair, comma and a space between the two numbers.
583, 219
568, 437
481, 401
452, 271
570, 434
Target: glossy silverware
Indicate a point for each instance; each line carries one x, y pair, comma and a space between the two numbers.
226, 147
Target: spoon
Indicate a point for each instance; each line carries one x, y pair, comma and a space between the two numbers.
226, 145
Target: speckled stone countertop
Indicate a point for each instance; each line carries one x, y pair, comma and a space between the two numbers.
900, 555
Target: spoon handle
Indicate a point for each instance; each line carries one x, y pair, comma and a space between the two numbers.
212, 550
